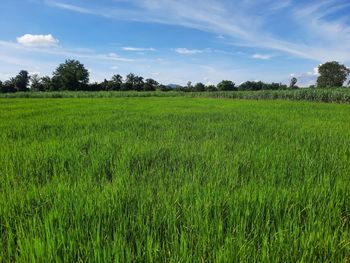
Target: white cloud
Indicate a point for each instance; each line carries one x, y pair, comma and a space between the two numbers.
37, 40
11, 51
306, 78
185, 51
262, 56
31, 73
137, 49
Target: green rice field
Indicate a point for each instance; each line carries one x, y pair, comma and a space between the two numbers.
174, 179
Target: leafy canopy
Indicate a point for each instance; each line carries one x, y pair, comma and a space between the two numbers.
226, 85
332, 74
71, 75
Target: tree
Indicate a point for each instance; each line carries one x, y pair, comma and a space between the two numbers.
47, 83
129, 82
259, 85
21, 81
226, 85
71, 75
150, 85
36, 84
332, 74
211, 88
9, 85
104, 84
165, 88
293, 83
116, 82
199, 87
117, 78
95, 86
188, 87
1, 86
139, 84
275, 86
252, 85
133, 82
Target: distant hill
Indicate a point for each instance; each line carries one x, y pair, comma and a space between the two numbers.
173, 86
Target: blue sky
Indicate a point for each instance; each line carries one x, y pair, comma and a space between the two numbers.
175, 41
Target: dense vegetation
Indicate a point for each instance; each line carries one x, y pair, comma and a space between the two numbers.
339, 95
174, 180
73, 76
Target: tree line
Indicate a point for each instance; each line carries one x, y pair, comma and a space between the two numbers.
73, 76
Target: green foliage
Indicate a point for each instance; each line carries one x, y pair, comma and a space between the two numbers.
211, 88
96, 86
70, 75
114, 84
107, 85
47, 83
21, 81
173, 180
133, 82
164, 88
9, 86
293, 83
36, 83
117, 79
332, 74
340, 95
73, 76
226, 85
199, 87
188, 87
150, 85
253, 85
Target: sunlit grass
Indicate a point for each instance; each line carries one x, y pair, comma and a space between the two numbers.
174, 180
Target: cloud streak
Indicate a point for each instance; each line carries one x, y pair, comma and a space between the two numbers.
138, 49
240, 21
185, 51
261, 56
17, 48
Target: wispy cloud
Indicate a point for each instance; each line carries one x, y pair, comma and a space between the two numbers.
14, 57
186, 51
324, 39
54, 50
262, 57
281, 4
138, 49
70, 7
239, 31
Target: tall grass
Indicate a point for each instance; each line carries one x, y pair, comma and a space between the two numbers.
340, 95
174, 180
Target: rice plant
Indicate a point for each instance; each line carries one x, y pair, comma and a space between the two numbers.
174, 179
